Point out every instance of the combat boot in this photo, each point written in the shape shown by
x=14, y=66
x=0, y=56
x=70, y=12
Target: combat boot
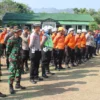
x=11, y=89
x=18, y=86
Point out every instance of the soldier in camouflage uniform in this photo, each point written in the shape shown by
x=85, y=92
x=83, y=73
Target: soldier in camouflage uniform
x=13, y=49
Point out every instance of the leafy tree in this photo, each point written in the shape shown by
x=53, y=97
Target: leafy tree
x=93, y=26
x=83, y=11
x=76, y=10
x=13, y=7
x=92, y=12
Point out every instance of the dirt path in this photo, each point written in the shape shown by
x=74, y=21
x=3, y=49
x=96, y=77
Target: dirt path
x=81, y=83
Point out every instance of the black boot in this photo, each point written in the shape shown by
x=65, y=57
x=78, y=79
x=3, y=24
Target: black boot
x=50, y=73
x=18, y=86
x=45, y=76
x=2, y=95
x=11, y=89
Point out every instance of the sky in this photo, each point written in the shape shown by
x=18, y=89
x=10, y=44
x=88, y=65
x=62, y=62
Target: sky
x=62, y=4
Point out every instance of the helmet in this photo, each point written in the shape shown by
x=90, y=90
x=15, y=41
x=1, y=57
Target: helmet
x=84, y=30
x=79, y=31
x=60, y=29
x=54, y=29
x=70, y=29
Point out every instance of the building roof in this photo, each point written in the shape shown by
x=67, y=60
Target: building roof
x=29, y=18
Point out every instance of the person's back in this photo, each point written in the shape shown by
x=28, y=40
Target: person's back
x=78, y=41
x=83, y=40
x=2, y=36
x=59, y=41
x=70, y=41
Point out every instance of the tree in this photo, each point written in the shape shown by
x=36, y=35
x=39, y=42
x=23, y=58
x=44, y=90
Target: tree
x=13, y=7
x=93, y=26
x=76, y=10
x=92, y=12
x=83, y=11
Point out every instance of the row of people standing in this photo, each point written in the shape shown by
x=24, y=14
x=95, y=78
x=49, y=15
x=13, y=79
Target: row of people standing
x=40, y=46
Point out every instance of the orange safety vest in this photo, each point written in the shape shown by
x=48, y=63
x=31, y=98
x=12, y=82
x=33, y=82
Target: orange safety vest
x=83, y=40
x=2, y=36
x=70, y=41
x=78, y=41
x=53, y=36
x=59, y=42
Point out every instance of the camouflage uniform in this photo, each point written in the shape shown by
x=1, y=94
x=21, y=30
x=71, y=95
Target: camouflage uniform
x=13, y=49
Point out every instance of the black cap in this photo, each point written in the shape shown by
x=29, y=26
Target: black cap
x=16, y=31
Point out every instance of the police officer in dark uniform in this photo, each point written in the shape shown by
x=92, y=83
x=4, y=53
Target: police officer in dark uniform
x=35, y=54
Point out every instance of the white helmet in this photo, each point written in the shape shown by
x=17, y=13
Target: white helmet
x=45, y=28
x=70, y=29
x=84, y=30
x=79, y=31
x=50, y=28
x=54, y=29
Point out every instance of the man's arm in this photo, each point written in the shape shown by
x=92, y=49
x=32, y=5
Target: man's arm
x=6, y=38
x=44, y=38
x=32, y=39
x=25, y=39
x=9, y=47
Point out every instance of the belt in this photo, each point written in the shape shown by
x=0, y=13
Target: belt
x=34, y=50
x=45, y=49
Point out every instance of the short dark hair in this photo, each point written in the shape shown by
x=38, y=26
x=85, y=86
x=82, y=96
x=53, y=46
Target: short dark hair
x=26, y=28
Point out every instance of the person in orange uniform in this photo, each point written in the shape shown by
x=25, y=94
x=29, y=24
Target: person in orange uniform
x=78, y=47
x=54, y=55
x=70, y=48
x=2, y=36
x=83, y=43
x=54, y=33
x=59, y=48
x=2, y=44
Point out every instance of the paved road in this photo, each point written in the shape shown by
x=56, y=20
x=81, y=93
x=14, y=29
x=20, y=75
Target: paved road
x=81, y=83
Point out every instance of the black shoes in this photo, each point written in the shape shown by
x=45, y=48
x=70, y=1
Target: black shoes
x=11, y=89
x=39, y=78
x=61, y=68
x=33, y=81
x=73, y=65
x=45, y=76
x=18, y=86
x=50, y=73
x=2, y=95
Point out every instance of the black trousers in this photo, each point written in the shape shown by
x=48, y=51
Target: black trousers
x=55, y=57
x=25, y=57
x=59, y=55
x=46, y=58
x=89, y=52
x=95, y=49
x=35, y=61
x=70, y=55
x=83, y=51
x=78, y=54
